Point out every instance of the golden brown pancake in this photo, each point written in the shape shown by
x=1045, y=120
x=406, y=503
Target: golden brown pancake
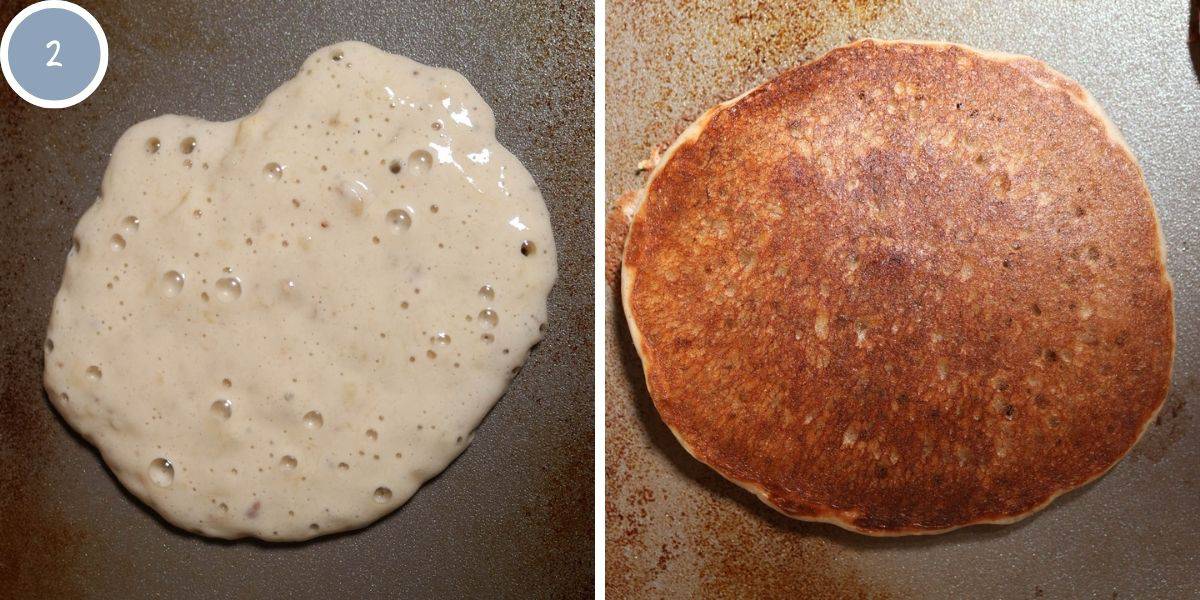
x=903, y=288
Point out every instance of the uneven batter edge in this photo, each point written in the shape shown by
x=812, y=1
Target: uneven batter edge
x=283, y=325
x=951, y=319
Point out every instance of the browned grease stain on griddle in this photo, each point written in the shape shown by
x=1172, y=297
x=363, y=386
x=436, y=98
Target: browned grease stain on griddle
x=1174, y=421
x=550, y=526
x=701, y=53
x=38, y=545
x=129, y=31
x=562, y=509
x=768, y=33
x=1194, y=36
x=733, y=546
x=720, y=538
x=719, y=541
x=616, y=229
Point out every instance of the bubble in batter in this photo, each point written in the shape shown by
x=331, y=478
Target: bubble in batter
x=313, y=420
x=222, y=409
x=273, y=170
x=488, y=318
x=382, y=495
x=172, y=284
x=229, y=289
x=419, y=162
x=400, y=219
x=162, y=472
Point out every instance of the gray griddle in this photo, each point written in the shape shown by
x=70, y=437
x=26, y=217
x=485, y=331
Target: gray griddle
x=512, y=517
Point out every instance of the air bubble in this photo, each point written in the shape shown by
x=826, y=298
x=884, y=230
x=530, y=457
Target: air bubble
x=152, y=145
x=93, y=373
x=382, y=495
x=222, y=409
x=313, y=420
x=371, y=433
x=188, y=145
x=488, y=318
x=355, y=192
x=228, y=289
x=337, y=54
x=420, y=161
x=528, y=248
x=343, y=467
x=130, y=224
x=172, y=283
x=116, y=242
x=288, y=462
x=273, y=170
x=394, y=167
x=400, y=219
x=487, y=292
x=162, y=473
x=442, y=338
x=487, y=338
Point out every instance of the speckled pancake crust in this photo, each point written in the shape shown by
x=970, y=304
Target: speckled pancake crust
x=903, y=288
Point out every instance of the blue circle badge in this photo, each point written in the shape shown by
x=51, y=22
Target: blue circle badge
x=54, y=54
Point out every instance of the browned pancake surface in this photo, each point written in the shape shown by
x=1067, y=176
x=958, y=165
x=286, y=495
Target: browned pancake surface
x=904, y=288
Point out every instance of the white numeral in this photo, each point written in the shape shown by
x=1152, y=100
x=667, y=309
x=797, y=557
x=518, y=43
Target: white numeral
x=53, y=62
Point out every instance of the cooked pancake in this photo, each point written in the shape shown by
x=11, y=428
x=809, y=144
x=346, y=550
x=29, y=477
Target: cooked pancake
x=903, y=288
